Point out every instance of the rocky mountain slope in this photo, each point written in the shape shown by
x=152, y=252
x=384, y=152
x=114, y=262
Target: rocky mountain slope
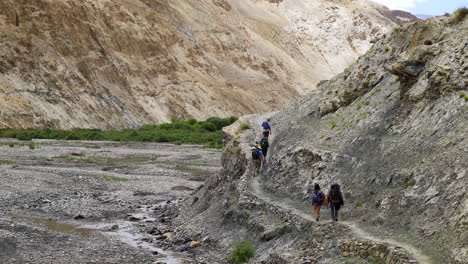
x=118, y=64
x=391, y=129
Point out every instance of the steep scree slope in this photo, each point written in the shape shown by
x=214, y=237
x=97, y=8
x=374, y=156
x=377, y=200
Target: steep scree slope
x=391, y=129
x=118, y=64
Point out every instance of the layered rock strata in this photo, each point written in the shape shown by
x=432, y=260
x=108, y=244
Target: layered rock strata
x=120, y=64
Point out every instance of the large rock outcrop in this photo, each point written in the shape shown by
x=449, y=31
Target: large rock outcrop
x=391, y=129
x=119, y=64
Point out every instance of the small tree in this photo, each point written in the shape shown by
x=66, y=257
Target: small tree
x=242, y=252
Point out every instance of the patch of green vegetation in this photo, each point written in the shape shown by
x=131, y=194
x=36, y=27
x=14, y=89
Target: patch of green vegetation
x=359, y=204
x=405, y=186
x=242, y=252
x=244, y=126
x=6, y=162
x=459, y=14
x=31, y=145
x=114, y=178
x=322, y=136
x=358, y=106
x=397, y=79
x=400, y=86
x=366, y=102
x=359, y=66
x=191, y=131
x=332, y=124
x=464, y=96
x=378, y=89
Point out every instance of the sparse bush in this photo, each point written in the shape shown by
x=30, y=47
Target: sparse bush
x=244, y=126
x=387, y=49
x=11, y=145
x=460, y=14
x=31, y=145
x=359, y=204
x=358, y=106
x=332, y=124
x=366, y=102
x=242, y=252
x=464, y=96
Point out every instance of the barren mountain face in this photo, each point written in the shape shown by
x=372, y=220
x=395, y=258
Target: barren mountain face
x=116, y=64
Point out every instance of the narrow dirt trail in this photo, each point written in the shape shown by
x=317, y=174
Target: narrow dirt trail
x=305, y=211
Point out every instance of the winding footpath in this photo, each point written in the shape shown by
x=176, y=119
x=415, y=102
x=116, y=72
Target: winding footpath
x=304, y=211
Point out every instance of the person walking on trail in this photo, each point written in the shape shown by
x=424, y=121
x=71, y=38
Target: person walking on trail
x=266, y=128
x=265, y=145
x=318, y=199
x=258, y=158
x=335, y=199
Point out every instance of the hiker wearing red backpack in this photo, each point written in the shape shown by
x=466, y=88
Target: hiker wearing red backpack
x=266, y=128
x=335, y=199
x=318, y=198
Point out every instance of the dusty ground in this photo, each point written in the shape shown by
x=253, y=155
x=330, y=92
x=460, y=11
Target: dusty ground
x=97, y=202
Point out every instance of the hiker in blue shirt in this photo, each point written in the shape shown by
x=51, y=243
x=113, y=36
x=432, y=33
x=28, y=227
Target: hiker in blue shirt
x=258, y=158
x=266, y=128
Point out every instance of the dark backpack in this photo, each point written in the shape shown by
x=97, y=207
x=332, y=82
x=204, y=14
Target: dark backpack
x=255, y=155
x=335, y=194
x=264, y=143
x=318, y=197
x=266, y=125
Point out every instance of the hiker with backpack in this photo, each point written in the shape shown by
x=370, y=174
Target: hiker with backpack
x=266, y=128
x=318, y=198
x=265, y=145
x=258, y=158
x=335, y=199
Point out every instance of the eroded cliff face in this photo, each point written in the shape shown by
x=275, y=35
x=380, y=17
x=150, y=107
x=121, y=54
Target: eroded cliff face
x=391, y=129
x=118, y=64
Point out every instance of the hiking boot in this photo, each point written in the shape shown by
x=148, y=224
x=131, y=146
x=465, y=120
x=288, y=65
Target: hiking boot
x=317, y=219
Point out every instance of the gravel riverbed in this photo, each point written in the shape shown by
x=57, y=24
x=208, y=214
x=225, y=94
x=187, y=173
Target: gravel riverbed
x=98, y=202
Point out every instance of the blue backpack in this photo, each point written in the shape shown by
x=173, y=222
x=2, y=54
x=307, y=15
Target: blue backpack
x=318, y=197
x=266, y=125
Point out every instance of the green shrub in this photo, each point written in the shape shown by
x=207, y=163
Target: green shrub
x=366, y=102
x=460, y=14
x=31, y=145
x=332, y=124
x=463, y=96
x=244, y=126
x=242, y=252
x=209, y=126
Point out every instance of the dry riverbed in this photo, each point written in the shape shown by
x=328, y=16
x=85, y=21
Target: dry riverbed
x=98, y=202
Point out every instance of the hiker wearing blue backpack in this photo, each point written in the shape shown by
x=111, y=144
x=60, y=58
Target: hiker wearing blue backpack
x=266, y=128
x=258, y=158
x=335, y=199
x=318, y=198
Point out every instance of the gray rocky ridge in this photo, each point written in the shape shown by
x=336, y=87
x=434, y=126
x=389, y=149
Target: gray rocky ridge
x=391, y=129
